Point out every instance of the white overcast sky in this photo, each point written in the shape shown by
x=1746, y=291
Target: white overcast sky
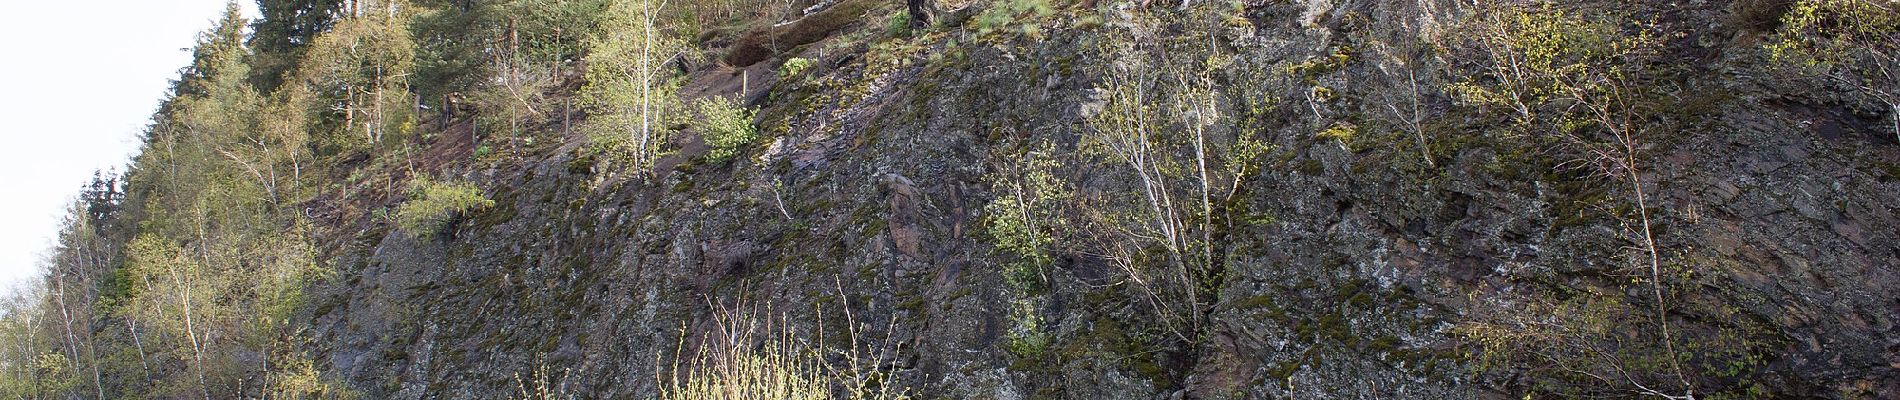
x=82, y=79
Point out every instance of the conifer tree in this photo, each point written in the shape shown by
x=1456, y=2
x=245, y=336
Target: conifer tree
x=287, y=27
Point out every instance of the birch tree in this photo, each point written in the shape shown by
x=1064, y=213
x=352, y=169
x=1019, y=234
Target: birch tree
x=629, y=91
x=1576, y=84
x=358, y=73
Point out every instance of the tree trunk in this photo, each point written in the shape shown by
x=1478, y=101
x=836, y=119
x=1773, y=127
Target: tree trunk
x=920, y=13
x=191, y=331
x=1895, y=116
x=138, y=344
x=72, y=339
x=646, y=85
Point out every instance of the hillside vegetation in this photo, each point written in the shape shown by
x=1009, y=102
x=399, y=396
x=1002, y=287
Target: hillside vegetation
x=1007, y=199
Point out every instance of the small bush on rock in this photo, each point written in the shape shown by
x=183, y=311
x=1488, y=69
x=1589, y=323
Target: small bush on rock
x=727, y=127
x=433, y=205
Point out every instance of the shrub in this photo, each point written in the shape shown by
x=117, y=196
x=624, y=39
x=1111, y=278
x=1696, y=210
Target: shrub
x=1023, y=217
x=298, y=379
x=433, y=205
x=1540, y=62
x=1343, y=131
x=1855, y=43
x=1837, y=32
x=898, y=26
x=727, y=127
x=794, y=66
x=1029, y=338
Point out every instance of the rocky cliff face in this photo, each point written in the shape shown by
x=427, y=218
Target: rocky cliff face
x=1350, y=264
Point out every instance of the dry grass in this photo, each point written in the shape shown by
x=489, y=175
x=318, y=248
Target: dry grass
x=743, y=359
x=752, y=355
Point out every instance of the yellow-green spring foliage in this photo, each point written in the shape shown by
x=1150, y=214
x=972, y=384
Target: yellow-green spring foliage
x=727, y=127
x=1832, y=32
x=1343, y=131
x=356, y=75
x=794, y=66
x=432, y=205
x=629, y=93
x=299, y=379
x=1853, y=42
x=1024, y=215
x=1029, y=337
x=1541, y=61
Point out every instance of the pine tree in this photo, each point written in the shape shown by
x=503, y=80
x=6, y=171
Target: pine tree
x=287, y=27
